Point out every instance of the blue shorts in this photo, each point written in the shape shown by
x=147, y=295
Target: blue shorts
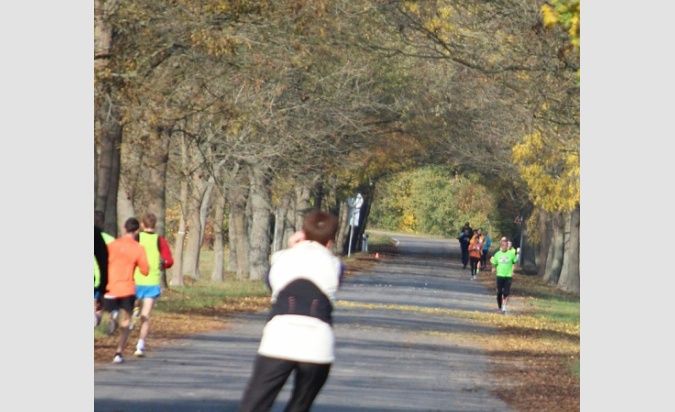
x=96, y=294
x=147, y=291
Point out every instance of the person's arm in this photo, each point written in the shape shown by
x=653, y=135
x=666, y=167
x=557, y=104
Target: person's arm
x=267, y=279
x=296, y=238
x=142, y=262
x=165, y=252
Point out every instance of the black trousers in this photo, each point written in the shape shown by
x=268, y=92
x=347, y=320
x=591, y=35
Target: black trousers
x=269, y=376
x=503, y=289
x=474, y=265
x=465, y=254
x=483, y=259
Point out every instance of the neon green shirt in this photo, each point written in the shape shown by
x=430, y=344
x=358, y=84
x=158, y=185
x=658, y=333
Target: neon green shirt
x=149, y=241
x=504, y=261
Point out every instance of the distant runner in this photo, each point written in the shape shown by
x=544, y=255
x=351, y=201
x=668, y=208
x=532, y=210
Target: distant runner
x=124, y=255
x=502, y=264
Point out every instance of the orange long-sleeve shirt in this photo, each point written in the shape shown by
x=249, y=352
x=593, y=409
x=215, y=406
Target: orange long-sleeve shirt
x=475, y=247
x=124, y=254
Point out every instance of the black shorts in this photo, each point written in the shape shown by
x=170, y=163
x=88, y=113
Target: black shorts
x=503, y=285
x=126, y=303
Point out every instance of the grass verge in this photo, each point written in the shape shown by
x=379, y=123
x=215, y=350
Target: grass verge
x=537, y=355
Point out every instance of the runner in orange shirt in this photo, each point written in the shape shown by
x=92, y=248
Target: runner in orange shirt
x=124, y=255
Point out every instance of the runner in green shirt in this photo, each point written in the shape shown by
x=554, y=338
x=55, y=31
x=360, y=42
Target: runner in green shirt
x=502, y=265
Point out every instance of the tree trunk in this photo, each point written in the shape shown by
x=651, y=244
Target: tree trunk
x=177, y=269
x=259, y=240
x=281, y=224
x=554, y=260
x=218, y=274
x=545, y=235
x=569, y=275
x=302, y=204
x=528, y=251
x=103, y=10
x=238, y=234
x=342, y=240
x=289, y=219
x=110, y=138
x=194, y=225
x=125, y=205
x=319, y=194
x=205, y=207
x=156, y=162
x=232, y=257
x=113, y=194
x=108, y=134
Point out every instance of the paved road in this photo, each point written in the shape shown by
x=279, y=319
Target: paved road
x=385, y=359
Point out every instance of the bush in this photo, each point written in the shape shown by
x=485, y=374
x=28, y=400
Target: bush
x=434, y=201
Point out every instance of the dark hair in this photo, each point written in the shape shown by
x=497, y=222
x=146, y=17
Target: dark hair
x=320, y=226
x=131, y=225
x=99, y=219
x=150, y=220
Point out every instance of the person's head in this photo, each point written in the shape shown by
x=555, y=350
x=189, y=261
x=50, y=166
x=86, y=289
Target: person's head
x=478, y=231
x=99, y=219
x=132, y=225
x=509, y=245
x=149, y=221
x=504, y=244
x=320, y=227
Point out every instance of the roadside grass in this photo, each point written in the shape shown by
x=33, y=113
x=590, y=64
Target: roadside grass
x=381, y=242
x=544, y=376
x=575, y=368
x=206, y=294
x=376, y=239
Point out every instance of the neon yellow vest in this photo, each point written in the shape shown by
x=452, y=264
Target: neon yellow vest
x=107, y=238
x=150, y=242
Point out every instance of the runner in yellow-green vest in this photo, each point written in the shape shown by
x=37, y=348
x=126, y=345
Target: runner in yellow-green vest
x=502, y=265
x=101, y=239
x=148, y=288
x=100, y=276
x=97, y=266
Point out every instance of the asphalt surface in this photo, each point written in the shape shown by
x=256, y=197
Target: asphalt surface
x=386, y=359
